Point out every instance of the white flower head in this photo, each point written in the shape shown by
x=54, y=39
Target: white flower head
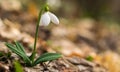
x=47, y=17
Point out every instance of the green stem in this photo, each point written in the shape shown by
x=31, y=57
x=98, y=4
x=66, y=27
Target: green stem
x=44, y=8
x=36, y=36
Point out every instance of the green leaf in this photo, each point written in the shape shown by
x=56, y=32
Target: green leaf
x=18, y=67
x=47, y=57
x=8, y=54
x=20, y=47
x=1, y=54
x=19, y=53
x=89, y=58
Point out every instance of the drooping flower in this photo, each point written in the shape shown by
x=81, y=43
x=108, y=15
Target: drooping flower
x=47, y=17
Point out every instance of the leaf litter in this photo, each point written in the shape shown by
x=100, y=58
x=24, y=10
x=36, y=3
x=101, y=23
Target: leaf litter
x=75, y=43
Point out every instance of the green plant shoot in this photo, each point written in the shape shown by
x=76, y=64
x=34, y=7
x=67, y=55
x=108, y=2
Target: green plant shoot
x=44, y=19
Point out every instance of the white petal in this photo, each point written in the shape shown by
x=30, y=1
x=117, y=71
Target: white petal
x=53, y=18
x=45, y=19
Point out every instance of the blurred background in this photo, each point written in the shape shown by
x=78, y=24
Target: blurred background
x=71, y=9
x=87, y=27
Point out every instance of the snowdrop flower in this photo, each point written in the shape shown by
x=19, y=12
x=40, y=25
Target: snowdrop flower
x=47, y=17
